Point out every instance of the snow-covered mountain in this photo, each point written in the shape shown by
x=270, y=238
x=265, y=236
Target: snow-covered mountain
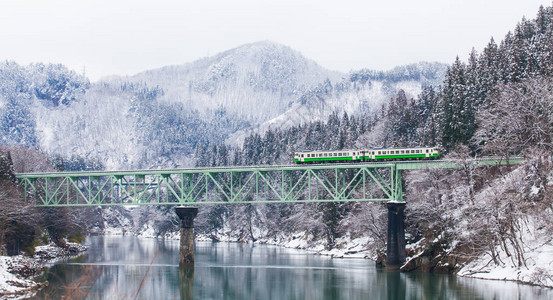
x=359, y=92
x=156, y=119
x=255, y=81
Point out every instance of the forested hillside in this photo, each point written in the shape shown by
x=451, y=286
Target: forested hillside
x=497, y=103
x=360, y=93
x=255, y=82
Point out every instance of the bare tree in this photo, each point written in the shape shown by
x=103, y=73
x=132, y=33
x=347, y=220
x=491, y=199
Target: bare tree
x=519, y=116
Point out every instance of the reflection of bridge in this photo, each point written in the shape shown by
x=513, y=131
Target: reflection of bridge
x=246, y=184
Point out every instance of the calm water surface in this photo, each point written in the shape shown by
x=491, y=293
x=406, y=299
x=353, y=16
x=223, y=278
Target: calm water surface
x=133, y=268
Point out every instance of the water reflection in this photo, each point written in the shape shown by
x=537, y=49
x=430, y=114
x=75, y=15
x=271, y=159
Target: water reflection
x=131, y=268
x=186, y=278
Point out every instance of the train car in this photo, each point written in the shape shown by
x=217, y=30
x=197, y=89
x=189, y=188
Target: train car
x=366, y=155
x=329, y=156
x=385, y=154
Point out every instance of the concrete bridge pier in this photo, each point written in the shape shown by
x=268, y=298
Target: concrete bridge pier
x=395, y=247
x=186, y=216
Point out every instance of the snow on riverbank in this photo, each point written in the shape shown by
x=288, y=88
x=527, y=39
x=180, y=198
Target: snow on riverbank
x=538, y=261
x=345, y=247
x=17, y=273
x=14, y=286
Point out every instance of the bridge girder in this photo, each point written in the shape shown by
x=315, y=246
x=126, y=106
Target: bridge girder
x=266, y=184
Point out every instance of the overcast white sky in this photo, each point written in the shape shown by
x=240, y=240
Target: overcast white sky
x=125, y=37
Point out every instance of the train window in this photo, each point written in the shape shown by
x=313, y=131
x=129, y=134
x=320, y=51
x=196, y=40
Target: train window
x=402, y=151
x=426, y=150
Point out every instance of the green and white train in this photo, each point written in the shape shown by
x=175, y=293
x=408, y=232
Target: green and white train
x=367, y=155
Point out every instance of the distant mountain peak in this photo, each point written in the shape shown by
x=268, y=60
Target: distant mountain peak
x=255, y=81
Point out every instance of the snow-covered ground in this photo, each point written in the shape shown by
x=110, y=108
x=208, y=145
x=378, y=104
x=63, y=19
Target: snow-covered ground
x=14, y=286
x=536, y=270
x=17, y=272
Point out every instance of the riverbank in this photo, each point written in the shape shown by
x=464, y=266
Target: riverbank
x=18, y=273
x=538, y=256
x=537, y=261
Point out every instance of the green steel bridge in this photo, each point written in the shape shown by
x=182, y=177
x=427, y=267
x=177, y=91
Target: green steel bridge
x=225, y=185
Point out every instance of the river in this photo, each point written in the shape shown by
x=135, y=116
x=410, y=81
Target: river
x=123, y=267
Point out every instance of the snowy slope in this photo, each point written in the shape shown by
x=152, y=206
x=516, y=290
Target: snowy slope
x=360, y=91
x=255, y=81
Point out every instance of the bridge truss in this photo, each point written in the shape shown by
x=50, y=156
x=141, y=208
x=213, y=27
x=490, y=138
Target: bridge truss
x=275, y=184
